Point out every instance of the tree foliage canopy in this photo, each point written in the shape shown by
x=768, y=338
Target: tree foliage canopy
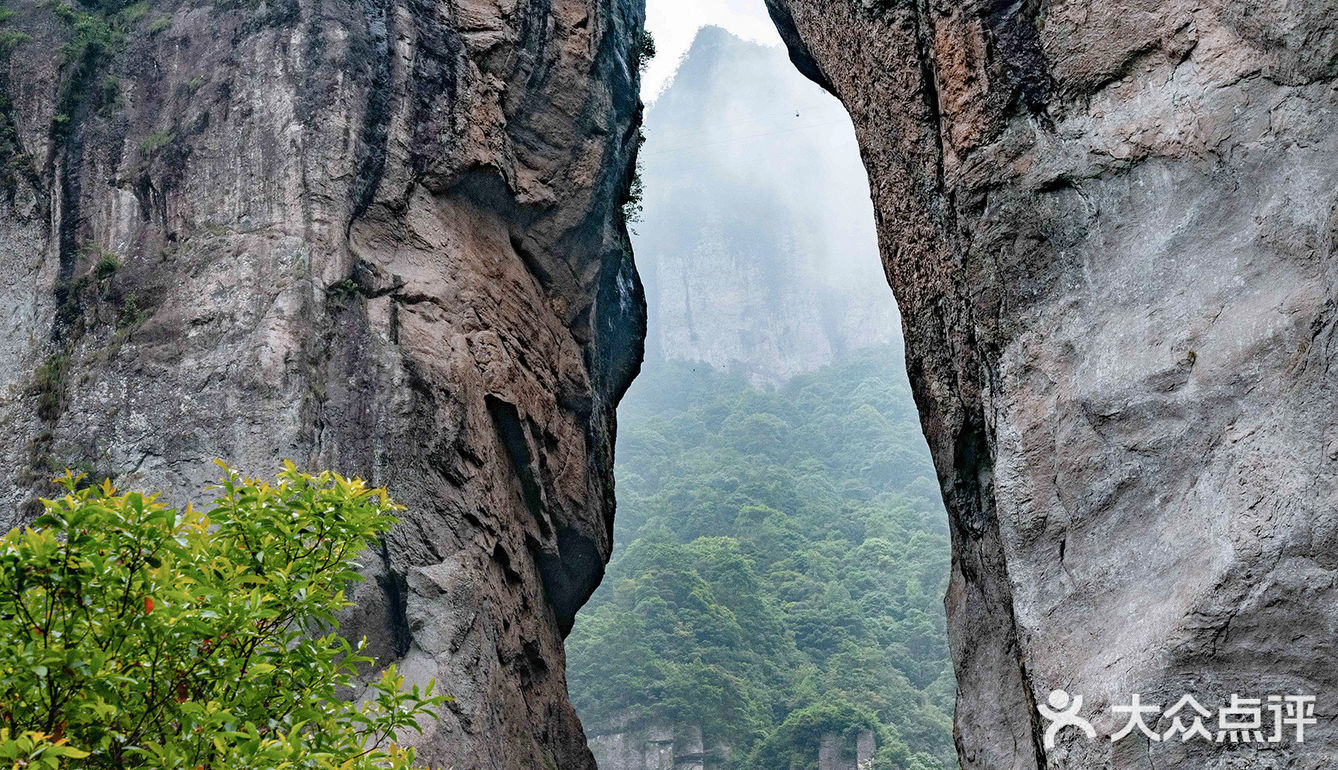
x=137, y=635
x=780, y=566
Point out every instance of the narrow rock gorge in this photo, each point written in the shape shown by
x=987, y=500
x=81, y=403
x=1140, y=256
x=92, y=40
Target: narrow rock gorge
x=383, y=237
x=387, y=237
x=1111, y=232
x=773, y=399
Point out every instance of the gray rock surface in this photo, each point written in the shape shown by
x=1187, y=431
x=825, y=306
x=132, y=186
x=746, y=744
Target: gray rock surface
x=840, y=752
x=627, y=744
x=1111, y=231
x=653, y=746
x=381, y=237
x=627, y=747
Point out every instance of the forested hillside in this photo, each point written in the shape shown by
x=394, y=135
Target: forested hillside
x=779, y=571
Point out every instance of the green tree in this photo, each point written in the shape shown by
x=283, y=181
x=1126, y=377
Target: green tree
x=137, y=635
x=780, y=555
x=794, y=744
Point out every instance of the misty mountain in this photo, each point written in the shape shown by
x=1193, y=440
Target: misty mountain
x=777, y=271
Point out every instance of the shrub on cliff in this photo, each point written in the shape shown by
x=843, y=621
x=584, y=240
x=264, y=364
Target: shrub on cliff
x=137, y=635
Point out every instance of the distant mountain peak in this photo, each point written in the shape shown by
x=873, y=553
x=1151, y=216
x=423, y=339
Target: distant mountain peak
x=757, y=247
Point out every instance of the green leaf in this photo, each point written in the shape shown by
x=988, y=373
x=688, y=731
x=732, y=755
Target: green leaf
x=224, y=643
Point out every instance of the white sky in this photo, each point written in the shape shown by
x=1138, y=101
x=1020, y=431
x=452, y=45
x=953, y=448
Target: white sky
x=674, y=23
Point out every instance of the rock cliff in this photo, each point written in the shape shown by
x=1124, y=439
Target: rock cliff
x=383, y=237
x=757, y=247
x=630, y=746
x=1111, y=231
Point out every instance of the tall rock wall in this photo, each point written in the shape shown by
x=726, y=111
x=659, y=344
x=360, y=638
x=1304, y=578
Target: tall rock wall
x=1111, y=231
x=382, y=237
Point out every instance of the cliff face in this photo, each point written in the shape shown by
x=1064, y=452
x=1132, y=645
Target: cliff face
x=1111, y=231
x=382, y=237
x=757, y=249
x=652, y=747
x=658, y=746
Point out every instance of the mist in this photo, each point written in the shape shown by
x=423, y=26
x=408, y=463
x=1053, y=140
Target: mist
x=757, y=242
